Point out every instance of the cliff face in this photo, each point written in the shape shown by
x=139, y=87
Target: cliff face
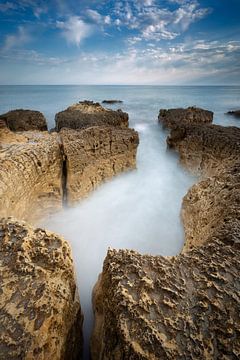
x=39, y=172
x=30, y=175
x=187, y=306
x=87, y=114
x=94, y=155
x=24, y=120
x=192, y=115
x=40, y=315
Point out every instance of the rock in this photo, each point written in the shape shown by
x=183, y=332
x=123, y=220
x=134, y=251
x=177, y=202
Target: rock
x=192, y=115
x=154, y=307
x=87, y=114
x=234, y=112
x=24, y=120
x=94, y=155
x=30, y=175
x=112, y=102
x=40, y=314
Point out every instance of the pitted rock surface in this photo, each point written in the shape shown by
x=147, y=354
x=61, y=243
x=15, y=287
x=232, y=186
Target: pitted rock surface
x=94, y=155
x=192, y=115
x=24, y=120
x=87, y=114
x=183, y=307
x=40, y=315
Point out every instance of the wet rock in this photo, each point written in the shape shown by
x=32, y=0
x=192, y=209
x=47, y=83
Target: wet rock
x=94, y=155
x=87, y=114
x=24, y=120
x=40, y=314
x=234, y=113
x=112, y=102
x=192, y=115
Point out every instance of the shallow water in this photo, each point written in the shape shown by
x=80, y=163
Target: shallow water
x=137, y=210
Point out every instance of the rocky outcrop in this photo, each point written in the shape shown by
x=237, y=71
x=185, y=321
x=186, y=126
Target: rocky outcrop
x=41, y=172
x=87, y=114
x=94, y=155
x=40, y=314
x=24, y=120
x=154, y=307
x=30, y=175
x=192, y=115
x=234, y=113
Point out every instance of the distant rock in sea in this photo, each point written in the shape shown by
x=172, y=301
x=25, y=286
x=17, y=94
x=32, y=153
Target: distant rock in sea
x=234, y=113
x=112, y=102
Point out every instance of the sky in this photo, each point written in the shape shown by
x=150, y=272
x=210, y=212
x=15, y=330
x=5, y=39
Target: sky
x=148, y=42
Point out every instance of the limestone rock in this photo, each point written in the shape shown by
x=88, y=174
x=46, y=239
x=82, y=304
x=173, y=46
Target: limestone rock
x=94, y=155
x=192, y=115
x=183, y=307
x=87, y=114
x=30, y=175
x=24, y=120
x=40, y=314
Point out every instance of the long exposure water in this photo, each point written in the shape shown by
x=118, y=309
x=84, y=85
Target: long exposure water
x=139, y=209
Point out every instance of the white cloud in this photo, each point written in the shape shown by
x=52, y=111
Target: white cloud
x=74, y=30
x=20, y=38
x=98, y=18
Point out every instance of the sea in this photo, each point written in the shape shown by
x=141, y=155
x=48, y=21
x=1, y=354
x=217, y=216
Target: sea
x=139, y=209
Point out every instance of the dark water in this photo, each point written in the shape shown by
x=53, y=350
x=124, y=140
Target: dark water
x=140, y=209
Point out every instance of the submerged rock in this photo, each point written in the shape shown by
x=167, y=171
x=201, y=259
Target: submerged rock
x=192, y=115
x=234, y=112
x=94, y=155
x=40, y=314
x=24, y=120
x=87, y=114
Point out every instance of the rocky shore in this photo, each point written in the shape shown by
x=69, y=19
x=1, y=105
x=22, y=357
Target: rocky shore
x=145, y=307
x=187, y=306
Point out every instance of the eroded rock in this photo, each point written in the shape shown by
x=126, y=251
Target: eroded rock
x=87, y=114
x=40, y=314
x=24, y=120
x=192, y=115
x=94, y=155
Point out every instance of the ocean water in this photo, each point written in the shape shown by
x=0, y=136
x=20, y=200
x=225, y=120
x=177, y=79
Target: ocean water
x=139, y=209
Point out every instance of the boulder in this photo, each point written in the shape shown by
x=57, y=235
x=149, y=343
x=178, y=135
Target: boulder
x=94, y=155
x=40, y=314
x=24, y=120
x=87, y=114
x=192, y=115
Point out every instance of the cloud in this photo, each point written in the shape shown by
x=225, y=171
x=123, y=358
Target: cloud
x=74, y=30
x=98, y=18
x=7, y=6
x=20, y=38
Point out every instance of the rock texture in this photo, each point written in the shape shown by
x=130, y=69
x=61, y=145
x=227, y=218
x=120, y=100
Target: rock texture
x=87, y=114
x=30, y=175
x=184, y=307
x=24, y=120
x=187, y=306
x=192, y=115
x=94, y=155
x=40, y=314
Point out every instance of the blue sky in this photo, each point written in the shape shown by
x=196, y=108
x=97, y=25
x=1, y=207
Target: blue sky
x=120, y=42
